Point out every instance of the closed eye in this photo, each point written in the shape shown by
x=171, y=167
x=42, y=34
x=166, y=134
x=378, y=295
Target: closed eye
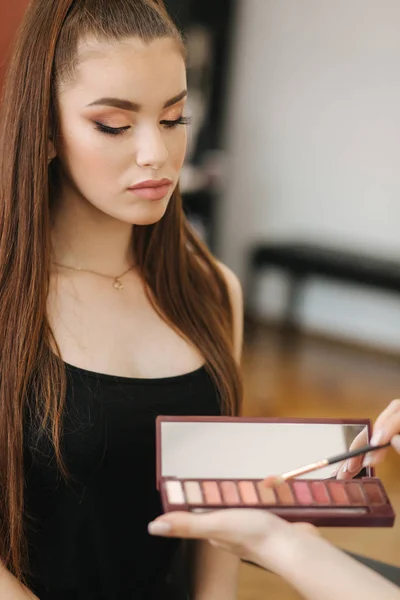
x=111, y=130
x=172, y=124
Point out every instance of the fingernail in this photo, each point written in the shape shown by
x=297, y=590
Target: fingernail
x=376, y=438
x=158, y=528
x=396, y=443
x=334, y=472
x=346, y=467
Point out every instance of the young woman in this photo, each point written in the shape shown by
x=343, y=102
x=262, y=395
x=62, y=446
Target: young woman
x=314, y=567
x=111, y=310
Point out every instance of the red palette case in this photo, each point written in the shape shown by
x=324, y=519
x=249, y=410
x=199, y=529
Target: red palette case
x=210, y=463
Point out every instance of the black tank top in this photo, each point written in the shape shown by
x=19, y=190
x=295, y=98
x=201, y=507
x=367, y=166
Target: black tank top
x=88, y=537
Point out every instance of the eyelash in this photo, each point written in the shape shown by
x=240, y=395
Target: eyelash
x=120, y=130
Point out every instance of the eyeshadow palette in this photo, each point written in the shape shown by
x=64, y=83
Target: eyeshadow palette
x=211, y=463
x=321, y=502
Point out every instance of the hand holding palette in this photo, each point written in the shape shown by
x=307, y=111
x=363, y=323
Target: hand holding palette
x=213, y=463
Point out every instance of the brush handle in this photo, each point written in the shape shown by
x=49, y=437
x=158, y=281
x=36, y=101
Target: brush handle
x=357, y=452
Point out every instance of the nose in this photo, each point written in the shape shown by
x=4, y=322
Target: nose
x=151, y=149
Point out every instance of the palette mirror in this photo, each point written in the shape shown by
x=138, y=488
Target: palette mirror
x=251, y=450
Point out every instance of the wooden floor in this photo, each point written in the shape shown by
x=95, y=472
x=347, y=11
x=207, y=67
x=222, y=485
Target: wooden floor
x=321, y=379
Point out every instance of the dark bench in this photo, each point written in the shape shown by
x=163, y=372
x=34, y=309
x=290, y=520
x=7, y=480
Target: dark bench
x=301, y=261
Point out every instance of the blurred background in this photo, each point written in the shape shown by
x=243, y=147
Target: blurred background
x=292, y=178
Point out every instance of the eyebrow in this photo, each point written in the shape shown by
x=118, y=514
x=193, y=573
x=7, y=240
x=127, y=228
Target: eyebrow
x=133, y=106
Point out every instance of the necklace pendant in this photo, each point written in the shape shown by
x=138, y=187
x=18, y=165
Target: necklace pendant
x=118, y=284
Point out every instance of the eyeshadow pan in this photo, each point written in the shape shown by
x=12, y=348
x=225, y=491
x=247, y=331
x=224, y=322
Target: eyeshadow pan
x=373, y=493
x=338, y=492
x=175, y=492
x=285, y=494
x=355, y=493
x=193, y=492
x=248, y=492
x=320, y=492
x=266, y=494
x=229, y=492
x=211, y=492
x=303, y=492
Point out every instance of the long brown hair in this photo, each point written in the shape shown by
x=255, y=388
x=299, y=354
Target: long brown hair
x=183, y=279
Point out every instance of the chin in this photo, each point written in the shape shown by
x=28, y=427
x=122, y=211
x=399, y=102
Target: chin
x=149, y=215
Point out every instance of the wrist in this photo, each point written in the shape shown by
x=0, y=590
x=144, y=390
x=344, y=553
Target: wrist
x=279, y=549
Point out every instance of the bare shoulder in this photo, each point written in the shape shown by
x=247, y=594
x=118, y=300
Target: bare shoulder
x=236, y=296
x=233, y=284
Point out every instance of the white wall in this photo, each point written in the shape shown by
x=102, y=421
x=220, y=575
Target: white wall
x=313, y=134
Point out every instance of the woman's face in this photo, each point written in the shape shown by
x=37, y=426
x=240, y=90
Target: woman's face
x=121, y=125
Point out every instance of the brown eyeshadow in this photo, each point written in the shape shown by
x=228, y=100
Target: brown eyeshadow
x=285, y=494
x=355, y=493
x=373, y=493
x=266, y=494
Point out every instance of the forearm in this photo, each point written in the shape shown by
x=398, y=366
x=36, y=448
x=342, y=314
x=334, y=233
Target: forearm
x=215, y=573
x=319, y=571
x=12, y=589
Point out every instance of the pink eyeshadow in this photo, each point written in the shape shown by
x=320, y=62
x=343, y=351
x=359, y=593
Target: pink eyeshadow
x=211, y=492
x=229, y=492
x=302, y=491
x=373, y=493
x=338, y=493
x=248, y=492
x=320, y=492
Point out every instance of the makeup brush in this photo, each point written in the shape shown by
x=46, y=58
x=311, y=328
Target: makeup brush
x=276, y=480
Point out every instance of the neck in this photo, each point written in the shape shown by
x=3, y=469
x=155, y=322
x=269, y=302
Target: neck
x=86, y=238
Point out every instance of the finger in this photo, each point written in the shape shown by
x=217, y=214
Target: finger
x=388, y=430
x=375, y=458
x=351, y=467
x=348, y=469
x=386, y=414
x=185, y=525
x=360, y=440
x=396, y=443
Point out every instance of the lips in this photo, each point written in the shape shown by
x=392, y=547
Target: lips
x=152, y=189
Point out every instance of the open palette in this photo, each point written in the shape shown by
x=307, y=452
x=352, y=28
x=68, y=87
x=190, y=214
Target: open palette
x=212, y=463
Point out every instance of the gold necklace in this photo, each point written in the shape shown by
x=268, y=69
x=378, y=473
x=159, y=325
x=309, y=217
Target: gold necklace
x=117, y=283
